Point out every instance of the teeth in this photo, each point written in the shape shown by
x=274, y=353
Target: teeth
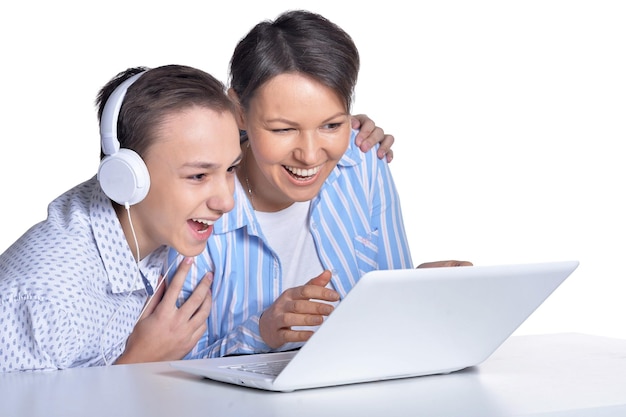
x=303, y=172
x=204, y=221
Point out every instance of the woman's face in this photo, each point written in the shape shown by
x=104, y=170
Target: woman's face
x=298, y=130
x=192, y=166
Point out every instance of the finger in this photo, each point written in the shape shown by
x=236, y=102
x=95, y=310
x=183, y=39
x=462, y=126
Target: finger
x=288, y=320
x=356, y=122
x=306, y=307
x=197, y=297
x=202, y=313
x=322, y=279
x=385, y=147
x=456, y=263
x=389, y=155
x=315, y=288
x=314, y=292
x=197, y=334
x=193, y=336
x=176, y=285
x=443, y=264
x=290, y=336
x=430, y=265
x=366, y=126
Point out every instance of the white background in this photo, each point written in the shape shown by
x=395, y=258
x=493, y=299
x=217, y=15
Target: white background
x=508, y=118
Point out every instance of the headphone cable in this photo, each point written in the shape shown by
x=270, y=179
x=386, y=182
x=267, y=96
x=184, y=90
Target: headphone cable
x=147, y=285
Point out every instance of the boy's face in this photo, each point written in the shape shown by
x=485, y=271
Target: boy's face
x=192, y=166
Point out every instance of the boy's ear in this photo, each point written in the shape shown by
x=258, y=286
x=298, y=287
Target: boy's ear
x=241, y=119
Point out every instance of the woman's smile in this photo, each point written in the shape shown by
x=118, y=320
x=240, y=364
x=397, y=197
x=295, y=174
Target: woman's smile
x=303, y=174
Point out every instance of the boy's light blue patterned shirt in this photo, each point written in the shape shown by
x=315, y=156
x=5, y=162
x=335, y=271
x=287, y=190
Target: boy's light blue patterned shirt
x=69, y=292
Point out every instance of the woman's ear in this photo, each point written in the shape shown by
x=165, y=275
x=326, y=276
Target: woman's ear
x=241, y=118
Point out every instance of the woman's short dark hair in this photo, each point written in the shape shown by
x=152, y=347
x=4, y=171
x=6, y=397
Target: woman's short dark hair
x=156, y=94
x=296, y=42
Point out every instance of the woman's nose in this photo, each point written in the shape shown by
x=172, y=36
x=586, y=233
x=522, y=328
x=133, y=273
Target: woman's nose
x=308, y=146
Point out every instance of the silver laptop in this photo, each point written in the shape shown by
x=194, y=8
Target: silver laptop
x=401, y=323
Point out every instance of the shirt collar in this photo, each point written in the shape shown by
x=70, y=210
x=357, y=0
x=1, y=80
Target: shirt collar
x=120, y=265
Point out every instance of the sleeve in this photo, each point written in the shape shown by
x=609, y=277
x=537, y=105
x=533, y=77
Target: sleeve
x=36, y=335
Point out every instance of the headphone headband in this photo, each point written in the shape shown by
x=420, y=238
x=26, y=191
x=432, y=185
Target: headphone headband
x=110, y=113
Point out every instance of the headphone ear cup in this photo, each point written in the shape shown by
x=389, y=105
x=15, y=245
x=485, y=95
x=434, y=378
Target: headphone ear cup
x=124, y=177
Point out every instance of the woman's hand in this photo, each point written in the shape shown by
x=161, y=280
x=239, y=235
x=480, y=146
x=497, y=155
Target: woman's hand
x=439, y=264
x=298, y=306
x=369, y=135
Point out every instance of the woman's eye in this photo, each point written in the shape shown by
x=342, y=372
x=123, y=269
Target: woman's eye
x=332, y=126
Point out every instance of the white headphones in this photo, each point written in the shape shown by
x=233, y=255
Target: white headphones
x=122, y=174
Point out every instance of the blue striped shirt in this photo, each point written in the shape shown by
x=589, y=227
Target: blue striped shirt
x=357, y=226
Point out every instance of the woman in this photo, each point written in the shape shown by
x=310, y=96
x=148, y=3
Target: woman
x=312, y=212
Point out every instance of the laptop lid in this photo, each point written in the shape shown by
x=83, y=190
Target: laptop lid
x=405, y=323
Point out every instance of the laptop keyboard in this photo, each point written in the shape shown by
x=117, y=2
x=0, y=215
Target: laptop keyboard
x=272, y=368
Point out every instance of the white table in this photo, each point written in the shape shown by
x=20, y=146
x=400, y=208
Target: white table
x=554, y=375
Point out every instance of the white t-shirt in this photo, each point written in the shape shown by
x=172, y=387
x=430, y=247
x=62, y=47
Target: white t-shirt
x=288, y=234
